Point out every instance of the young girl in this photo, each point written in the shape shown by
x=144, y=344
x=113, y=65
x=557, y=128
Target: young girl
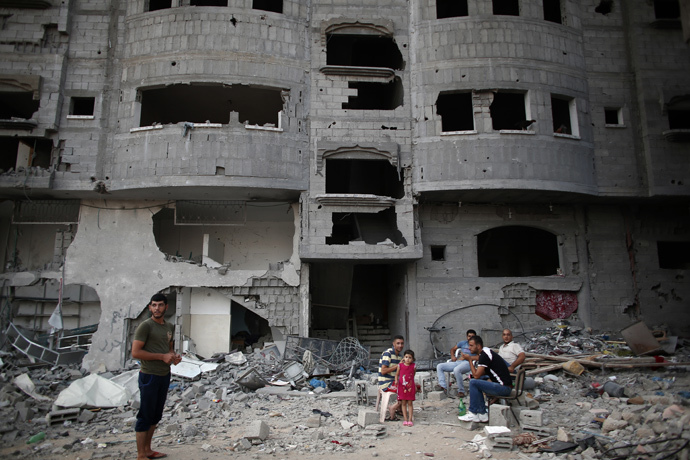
x=406, y=385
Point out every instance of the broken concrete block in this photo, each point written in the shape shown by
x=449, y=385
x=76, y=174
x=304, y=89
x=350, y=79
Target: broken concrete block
x=245, y=444
x=501, y=415
x=198, y=387
x=367, y=417
x=189, y=431
x=257, y=430
x=611, y=425
x=531, y=417
x=188, y=394
x=59, y=416
x=563, y=435
x=346, y=425
x=503, y=443
x=172, y=428
x=86, y=416
x=24, y=414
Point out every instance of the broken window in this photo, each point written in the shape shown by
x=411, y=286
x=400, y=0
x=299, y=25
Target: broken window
x=208, y=3
x=159, y=5
x=552, y=11
x=247, y=328
x=679, y=119
x=456, y=111
x=674, y=254
x=451, y=8
x=375, y=177
x=563, y=114
x=268, y=5
x=517, y=251
x=81, y=105
x=366, y=227
x=438, y=253
x=199, y=102
x=375, y=96
x=613, y=116
x=16, y=152
x=19, y=104
x=508, y=111
x=666, y=9
x=506, y=7
x=363, y=51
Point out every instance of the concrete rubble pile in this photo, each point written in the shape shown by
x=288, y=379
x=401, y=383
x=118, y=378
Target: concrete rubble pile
x=599, y=414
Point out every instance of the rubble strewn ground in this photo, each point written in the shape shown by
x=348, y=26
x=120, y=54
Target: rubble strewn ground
x=213, y=417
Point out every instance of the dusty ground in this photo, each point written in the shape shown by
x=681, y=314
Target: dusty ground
x=436, y=434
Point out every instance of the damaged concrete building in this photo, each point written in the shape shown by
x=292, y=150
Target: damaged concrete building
x=374, y=168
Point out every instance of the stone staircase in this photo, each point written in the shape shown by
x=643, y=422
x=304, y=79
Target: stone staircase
x=377, y=337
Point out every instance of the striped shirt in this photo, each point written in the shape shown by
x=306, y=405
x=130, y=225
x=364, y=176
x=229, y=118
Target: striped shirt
x=388, y=358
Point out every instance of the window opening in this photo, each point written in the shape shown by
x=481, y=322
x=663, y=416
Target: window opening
x=613, y=117
x=451, y=8
x=275, y=6
x=376, y=177
x=198, y=103
x=517, y=251
x=17, y=104
x=679, y=119
x=375, y=96
x=16, y=152
x=366, y=227
x=456, y=111
x=506, y=7
x=209, y=3
x=247, y=328
x=560, y=111
x=363, y=51
x=552, y=11
x=666, y=9
x=155, y=5
x=604, y=7
x=82, y=105
x=508, y=111
x=674, y=254
x=438, y=253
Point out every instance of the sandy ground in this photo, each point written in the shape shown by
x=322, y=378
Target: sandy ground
x=436, y=433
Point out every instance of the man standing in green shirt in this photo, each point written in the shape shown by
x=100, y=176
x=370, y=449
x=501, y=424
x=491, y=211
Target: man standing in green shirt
x=153, y=346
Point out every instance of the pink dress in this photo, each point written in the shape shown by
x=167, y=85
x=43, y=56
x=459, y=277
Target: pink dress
x=406, y=385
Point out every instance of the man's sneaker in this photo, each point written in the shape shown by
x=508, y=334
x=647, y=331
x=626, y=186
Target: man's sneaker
x=472, y=417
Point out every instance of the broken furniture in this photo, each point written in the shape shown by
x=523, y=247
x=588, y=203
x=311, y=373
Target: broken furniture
x=45, y=354
x=640, y=339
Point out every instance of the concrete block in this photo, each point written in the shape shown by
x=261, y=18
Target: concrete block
x=59, y=416
x=436, y=396
x=257, y=430
x=501, y=415
x=367, y=417
x=314, y=421
x=86, y=416
x=531, y=417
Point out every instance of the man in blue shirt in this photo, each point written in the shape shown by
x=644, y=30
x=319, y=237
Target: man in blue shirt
x=457, y=365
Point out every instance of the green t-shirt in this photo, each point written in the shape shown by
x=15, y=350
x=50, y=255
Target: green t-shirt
x=156, y=338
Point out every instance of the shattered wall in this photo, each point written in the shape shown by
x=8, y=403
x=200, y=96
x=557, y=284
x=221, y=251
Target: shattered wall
x=126, y=267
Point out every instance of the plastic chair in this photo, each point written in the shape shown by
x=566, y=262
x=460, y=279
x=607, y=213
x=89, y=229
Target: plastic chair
x=383, y=397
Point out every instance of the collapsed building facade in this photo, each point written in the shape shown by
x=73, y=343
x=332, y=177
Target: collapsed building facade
x=322, y=169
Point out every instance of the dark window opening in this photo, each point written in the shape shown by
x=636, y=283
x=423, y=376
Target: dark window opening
x=155, y=5
x=604, y=7
x=209, y=3
x=438, y=253
x=363, y=51
x=456, y=111
x=82, y=105
x=198, y=103
x=370, y=228
x=508, y=111
x=506, y=7
x=376, y=177
x=560, y=111
x=375, y=96
x=517, y=251
x=19, y=104
x=275, y=6
x=247, y=328
x=552, y=11
x=18, y=152
x=451, y=8
x=674, y=254
x=611, y=117
x=666, y=9
x=679, y=119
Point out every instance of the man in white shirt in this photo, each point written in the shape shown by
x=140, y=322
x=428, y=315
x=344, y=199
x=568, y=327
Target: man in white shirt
x=511, y=351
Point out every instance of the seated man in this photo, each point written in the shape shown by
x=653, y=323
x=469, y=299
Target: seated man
x=458, y=366
x=388, y=364
x=500, y=384
x=511, y=351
